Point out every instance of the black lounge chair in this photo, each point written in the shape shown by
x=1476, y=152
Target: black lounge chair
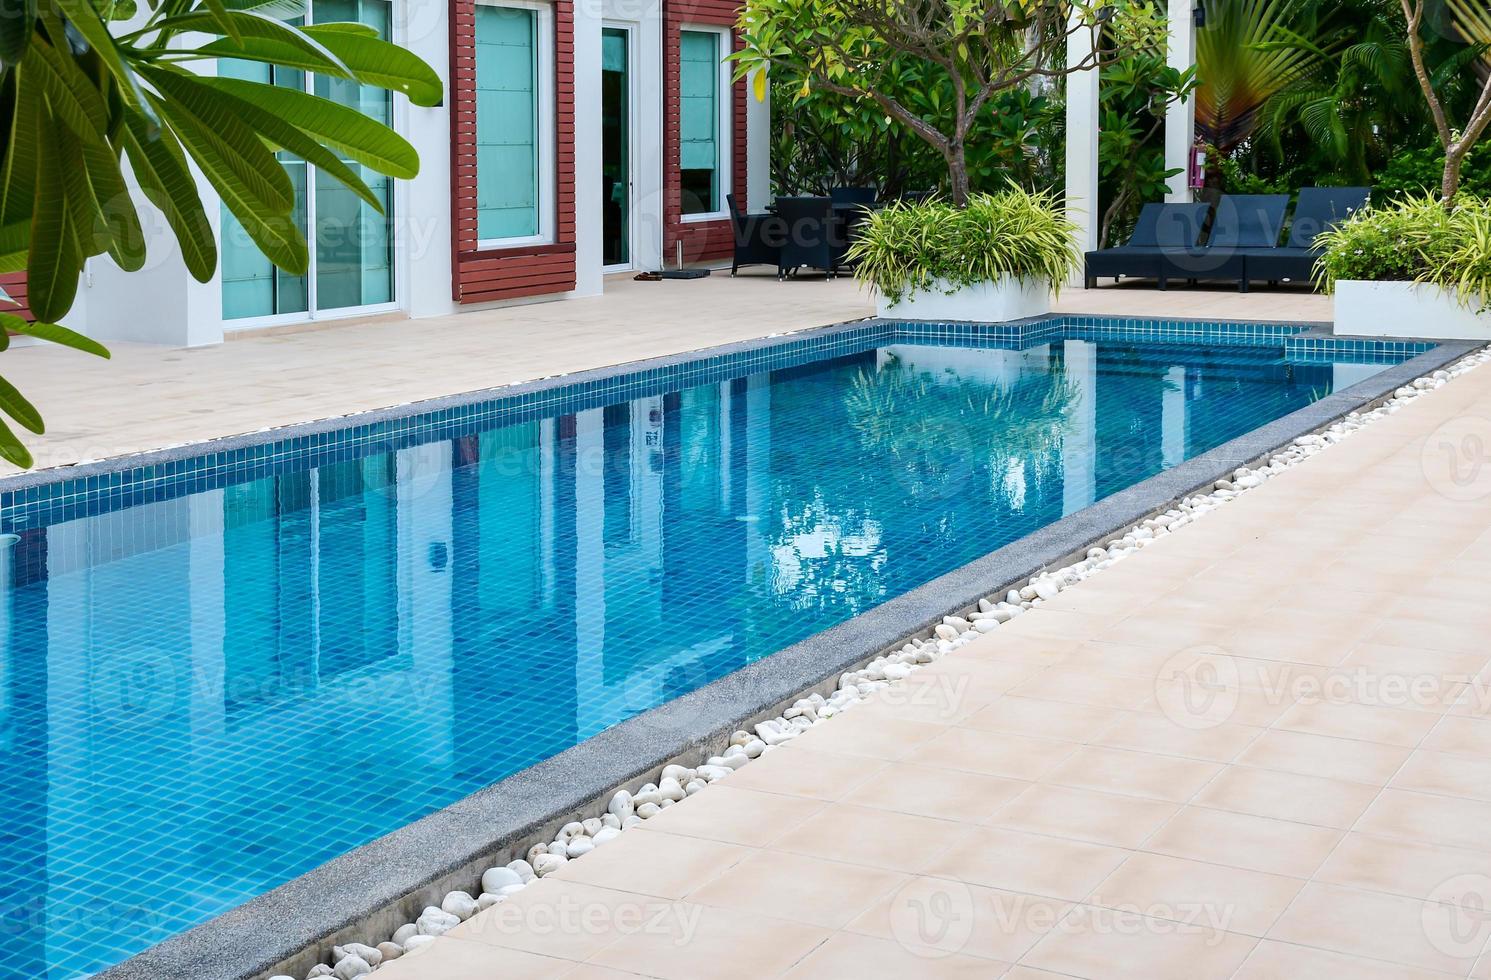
x=1160, y=226
x=758, y=237
x=1245, y=224
x=811, y=237
x=1319, y=209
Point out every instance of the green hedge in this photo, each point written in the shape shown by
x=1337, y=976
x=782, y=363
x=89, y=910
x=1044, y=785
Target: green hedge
x=934, y=245
x=1415, y=240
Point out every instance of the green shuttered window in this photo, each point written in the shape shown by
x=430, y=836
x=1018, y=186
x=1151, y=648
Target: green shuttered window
x=507, y=123
x=699, y=121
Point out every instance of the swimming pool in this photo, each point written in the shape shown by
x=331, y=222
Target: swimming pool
x=223, y=671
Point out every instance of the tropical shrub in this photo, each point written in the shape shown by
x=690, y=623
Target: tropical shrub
x=1416, y=240
x=1417, y=171
x=934, y=245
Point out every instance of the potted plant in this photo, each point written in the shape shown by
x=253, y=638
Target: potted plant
x=1002, y=257
x=1413, y=269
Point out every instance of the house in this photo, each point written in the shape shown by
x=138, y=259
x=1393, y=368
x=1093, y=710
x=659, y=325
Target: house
x=576, y=139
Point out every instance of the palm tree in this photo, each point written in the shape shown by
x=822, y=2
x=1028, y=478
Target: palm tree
x=1241, y=66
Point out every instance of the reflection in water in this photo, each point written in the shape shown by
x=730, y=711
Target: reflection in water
x=205, y=695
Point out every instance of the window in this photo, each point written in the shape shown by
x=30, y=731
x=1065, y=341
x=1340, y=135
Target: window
x=514, y=124
x=704, y=115
x=352, y=248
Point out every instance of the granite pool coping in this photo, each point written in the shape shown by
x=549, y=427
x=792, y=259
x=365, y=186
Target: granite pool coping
x=368, y=891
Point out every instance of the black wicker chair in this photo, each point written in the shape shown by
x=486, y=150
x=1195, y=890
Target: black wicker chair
x=811, y=236
x=758, y=237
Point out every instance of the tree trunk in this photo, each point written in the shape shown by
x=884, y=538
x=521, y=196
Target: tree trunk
x=1453, y=160
x=957, y=169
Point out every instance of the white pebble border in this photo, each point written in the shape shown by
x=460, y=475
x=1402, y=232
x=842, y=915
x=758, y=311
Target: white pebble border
x=626, y=810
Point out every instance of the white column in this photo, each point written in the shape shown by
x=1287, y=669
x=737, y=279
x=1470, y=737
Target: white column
x=588, y=190
x=1173, y=420
x=758, y=149
x=1079, y=446
x=422, y=229
x=1082, y=141
x=1180, y=118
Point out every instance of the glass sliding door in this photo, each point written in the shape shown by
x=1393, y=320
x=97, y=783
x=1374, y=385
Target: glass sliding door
x=351, y=248
x=616, y=144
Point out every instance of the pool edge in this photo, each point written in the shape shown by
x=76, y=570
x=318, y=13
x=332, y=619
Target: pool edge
x=390, y=878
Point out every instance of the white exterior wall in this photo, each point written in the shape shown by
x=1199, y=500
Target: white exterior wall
x=1082, y=144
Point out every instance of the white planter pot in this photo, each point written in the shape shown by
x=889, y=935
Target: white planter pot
x=1006, y=298
x=1367, y=308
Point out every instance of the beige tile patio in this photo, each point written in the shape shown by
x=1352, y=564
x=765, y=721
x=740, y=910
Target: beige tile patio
x=801, y=889
x=1439, y=819
x=459, y=959
x=1414, y=869
x=659, y=864
x=734, y=815
x=1094, y=942
x=1246, y=902
x=985, y=922
x=1036, y=864
x=1287, y=796
x=1156, y=777
x=868, y=836
x=1101, y=818
x=1243, y=841
x=1002, y=754
x=796, y=770
x=1324, y=756
x=948, y=794
x=1045, y=719
x=848, y=956
x=1385, y=927
x=720, y=944
x=1272, y=960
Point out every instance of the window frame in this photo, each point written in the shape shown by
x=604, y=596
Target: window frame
x=725, y=110
x=546, y=86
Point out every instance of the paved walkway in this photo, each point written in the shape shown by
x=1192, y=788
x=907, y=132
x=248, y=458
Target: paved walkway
x=1260, y=748
x=152, y=397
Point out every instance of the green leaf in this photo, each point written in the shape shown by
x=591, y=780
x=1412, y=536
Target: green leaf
x=84, y=18
x=54, y=264
x=161, y=168
x=251, y=182
x=14, y=404
x=71, y=95
x=11, y=449
x=272, y=129
x=53, y=333
x=18, y=174
x=258, y=34
x=17, y=24
x=386, y=65
x=341, y=127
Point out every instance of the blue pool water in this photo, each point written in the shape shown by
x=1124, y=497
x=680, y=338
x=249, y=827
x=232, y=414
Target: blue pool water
x=218, y=675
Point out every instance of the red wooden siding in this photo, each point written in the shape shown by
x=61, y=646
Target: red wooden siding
x=15, y=287
x=528, y=270
x=702, y=240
